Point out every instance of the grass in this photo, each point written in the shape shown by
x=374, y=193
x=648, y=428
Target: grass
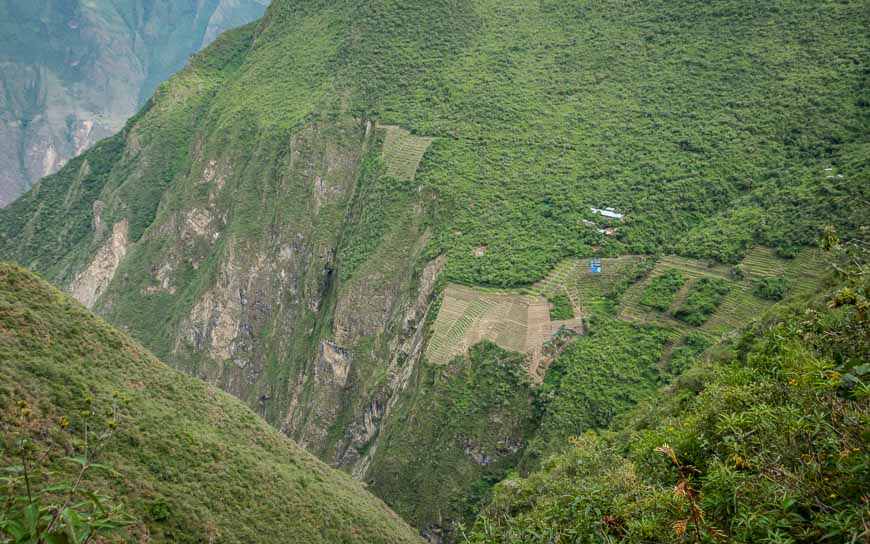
x=189, y=460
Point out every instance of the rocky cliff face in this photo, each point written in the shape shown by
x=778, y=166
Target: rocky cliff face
x=72, y=73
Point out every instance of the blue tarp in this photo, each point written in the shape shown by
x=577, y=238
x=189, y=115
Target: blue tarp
x=594, y=265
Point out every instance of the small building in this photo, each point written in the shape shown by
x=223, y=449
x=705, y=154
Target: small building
x=608, y=212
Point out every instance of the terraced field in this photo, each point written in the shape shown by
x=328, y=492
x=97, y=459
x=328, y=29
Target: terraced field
x=403, y=152
x=590, y=291
x=513, y=320
x=740, y=305
x=519, y=320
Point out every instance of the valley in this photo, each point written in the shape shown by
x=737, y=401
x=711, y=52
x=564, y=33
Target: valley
x=457, y=250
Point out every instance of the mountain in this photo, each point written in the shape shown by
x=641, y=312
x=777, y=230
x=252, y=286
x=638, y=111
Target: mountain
x=187, y=460
x=431, y=241
x=73, y=72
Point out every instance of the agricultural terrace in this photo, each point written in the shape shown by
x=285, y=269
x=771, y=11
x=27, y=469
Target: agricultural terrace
x=519, y=320
x=403, y=152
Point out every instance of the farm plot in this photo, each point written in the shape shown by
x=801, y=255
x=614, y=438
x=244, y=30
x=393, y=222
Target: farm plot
x=740, y=305
x=403, y=152
x=519, y=320
x=512, y=320
x=587, y=291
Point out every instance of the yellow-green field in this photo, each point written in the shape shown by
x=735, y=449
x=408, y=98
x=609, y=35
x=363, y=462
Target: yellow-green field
x=513, y=320
x=740, y=305
x=403, y=152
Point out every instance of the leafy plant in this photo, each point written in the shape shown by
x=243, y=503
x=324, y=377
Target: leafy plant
x=704, y=297
x=765, y=442
x=659, y=294
x=42, y=505
x=561, y=307
x=770, y=288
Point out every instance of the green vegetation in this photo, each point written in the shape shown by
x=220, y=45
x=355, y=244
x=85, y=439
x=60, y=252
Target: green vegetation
x=38, y=505
x=188, y=462
x=705, y=295
x=767, y=442
x=659, y=294
x=561, y=307
x=39, y=229
x=686, y=352
x=462, y=431
x=265, y=224
x=596, y=378
x=770, y=288
x=511, y=175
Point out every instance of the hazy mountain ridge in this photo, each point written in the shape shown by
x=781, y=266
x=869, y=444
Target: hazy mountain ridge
x=72, y=73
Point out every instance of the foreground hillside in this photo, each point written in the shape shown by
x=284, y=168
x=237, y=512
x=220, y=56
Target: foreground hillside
x=191, y=463
x=768, y=441
x=72, y=72
x=373, y=220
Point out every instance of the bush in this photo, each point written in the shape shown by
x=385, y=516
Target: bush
x=561, y=308
x=704, y=297
x=46, y=502
x=659, y=294
x=771, y=448
x=770, y=288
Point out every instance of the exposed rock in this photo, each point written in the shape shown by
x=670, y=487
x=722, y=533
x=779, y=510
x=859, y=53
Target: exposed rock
x=92, y=282
x=474, y=451
x=362, y=435
x=333, y=365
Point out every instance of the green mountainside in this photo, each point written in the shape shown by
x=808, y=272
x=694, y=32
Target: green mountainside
x=372, y=221
x=72, y=72
x=188, y=461
x=766, y=440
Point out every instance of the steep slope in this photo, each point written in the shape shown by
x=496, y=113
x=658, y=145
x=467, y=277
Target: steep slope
x=73, y=72
x=190, y=461
x=282, y=218
x=766, y=442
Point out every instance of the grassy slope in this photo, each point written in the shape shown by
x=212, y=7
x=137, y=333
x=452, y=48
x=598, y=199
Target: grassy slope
x=773, y=430
x=210, y=460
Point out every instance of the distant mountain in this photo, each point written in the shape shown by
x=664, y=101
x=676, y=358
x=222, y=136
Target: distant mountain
x=188, y=460
x=72, y=72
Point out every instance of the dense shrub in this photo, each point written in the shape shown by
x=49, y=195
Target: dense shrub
x=770, y=288
x=772, y=447
x=561, y=307
x=659, y=294
x=704, y=297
